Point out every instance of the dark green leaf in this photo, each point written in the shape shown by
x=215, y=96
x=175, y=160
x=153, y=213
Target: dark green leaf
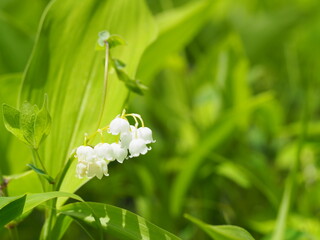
x=11, y=210
x=42, y=173
x=13, y=207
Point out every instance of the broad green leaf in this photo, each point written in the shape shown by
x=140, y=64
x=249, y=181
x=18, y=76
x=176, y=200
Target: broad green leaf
x=222, y=232
x=25, y=203
x=22, y=183
x=65, y=65
x=176, y=28
x=18, y=25
x=118, y=222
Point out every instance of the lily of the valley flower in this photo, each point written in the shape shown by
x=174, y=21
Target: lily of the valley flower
x=119, y=125
x=138, y=146
x=93, y=162
x=145, y=133
x=119, y=152
x=104, y=151
x=97, y=168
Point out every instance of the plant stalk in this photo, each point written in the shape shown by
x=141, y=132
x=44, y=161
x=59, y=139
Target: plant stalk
x=105, y=84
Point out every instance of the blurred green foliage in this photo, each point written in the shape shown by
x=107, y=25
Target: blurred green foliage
x=233, y=102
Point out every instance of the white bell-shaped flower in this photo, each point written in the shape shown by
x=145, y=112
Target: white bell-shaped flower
x=104, y=151
x=97, y=168
x=119, y=125
x=81, y=170
x=120, y=153
x=146, y=134
x=138, y=146
x=126, y=137
x=85, y=154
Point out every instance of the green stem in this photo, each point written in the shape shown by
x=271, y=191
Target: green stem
x=105, y=84
x=64, y=172
x=35, y=160
x=39, y=160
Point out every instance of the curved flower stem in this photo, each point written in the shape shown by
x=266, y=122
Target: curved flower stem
x=134, y=115
x=105, y=84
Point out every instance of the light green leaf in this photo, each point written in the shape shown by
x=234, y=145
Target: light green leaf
x=222, y=232
x=22, y=183
x=28, y=114
x=30, y=124
x=16, y=206
x=11, y=119
x=118, y=222
x=176, y=28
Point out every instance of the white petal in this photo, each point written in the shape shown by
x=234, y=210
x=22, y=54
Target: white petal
x=100, y=171
x=119, y=152
x=125, y=139
x=81, y=170
x=104, y=167
x=104, y=151
x=119, y=125
x=138, y=146
x=93, y=169
x=146, y=134
x=85, y=153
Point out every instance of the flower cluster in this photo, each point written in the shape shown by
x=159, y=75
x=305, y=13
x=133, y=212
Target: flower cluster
x=133, y=140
